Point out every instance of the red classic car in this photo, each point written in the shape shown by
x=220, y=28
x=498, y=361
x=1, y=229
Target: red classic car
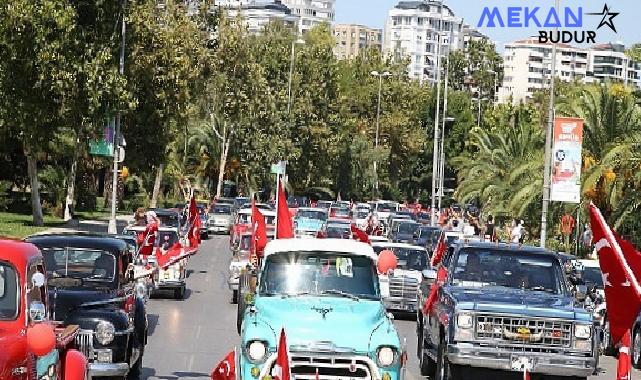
x=27, y=353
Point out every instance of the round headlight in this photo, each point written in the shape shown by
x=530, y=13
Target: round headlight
x=385, y=356
x=105, y=332
x=256, y=350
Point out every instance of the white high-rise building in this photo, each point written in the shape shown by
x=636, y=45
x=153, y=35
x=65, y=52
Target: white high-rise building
x=258, y=13
x=311, y=12
x=528, y=67
x=411, y=31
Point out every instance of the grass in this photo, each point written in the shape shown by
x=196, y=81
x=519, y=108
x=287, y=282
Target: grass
x=18, y=226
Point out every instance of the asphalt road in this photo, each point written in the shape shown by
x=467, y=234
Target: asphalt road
x=188, y=338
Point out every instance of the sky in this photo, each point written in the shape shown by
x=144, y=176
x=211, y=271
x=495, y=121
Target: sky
x=628, y=22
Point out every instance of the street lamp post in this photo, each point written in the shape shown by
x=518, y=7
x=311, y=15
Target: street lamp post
x=291, y=73
x=112, y=227
x=435, y=156
x=378, y=122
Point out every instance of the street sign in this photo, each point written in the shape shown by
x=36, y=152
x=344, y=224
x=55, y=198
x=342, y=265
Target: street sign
x=104, y=145
x=279, y=168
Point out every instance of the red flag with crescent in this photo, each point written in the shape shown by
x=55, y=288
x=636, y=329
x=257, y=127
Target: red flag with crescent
x=226, y=369
x=284, y=229
x=281, y=370
x=359, y=234
x=439, y=251
x=174, y=254
x=259, y=231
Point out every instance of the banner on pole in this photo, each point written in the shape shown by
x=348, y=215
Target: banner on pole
x=566, y=160
x=104, y=145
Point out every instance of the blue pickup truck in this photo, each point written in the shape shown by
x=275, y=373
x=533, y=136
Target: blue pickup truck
x=504, y=308
x=325, y=293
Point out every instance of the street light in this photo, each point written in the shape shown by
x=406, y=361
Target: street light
x=380, y=76
x=448, y=121
x=291, y=73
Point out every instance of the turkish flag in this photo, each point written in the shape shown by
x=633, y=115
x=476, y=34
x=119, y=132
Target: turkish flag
x=173, y=255
x=281, y=369
x=624, y=365
x=284, y=228
x=226, y=369
x=621, y=266
x=148, y=239
x=359, y=234
x=441, y=275
x=439, y=251
x=259, y=231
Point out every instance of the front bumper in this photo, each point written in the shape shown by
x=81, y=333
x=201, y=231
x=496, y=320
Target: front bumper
x=108, y=369
x=400, y=304
x=170, y=284
x=233, y=282
x=218, y=228
x=560, y=364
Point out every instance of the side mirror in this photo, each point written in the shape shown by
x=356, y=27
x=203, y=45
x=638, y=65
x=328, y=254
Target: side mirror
x=580, y=292
x=429, y=275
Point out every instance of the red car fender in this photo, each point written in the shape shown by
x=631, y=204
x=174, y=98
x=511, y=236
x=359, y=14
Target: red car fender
x=75, y=365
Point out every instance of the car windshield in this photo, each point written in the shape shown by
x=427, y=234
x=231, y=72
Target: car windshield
x=323, y=204
x=408, y=258
x=221, y=209
x=428, y=232
x=166, y=239
x=510, y=269
x=240, y=201
x=340, y=211
x=408, y=228
x=245, y=243
x=311, y=214
x=9, y=289
x=385, y=207
x=338, y=232
x=319, y=274
x=170, y=220
x=91, y=265
x=362, y=214
x=246, y=219
x=593, y=276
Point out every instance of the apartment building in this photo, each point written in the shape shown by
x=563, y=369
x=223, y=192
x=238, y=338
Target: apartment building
x=311, y=12
x=353, y=39
x=257, y=14
x=528, y=67
x=412, y=29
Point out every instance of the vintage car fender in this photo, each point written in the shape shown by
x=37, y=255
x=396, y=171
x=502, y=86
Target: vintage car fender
x=75, y=365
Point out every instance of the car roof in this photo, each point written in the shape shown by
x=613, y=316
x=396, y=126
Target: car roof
x=397, y=245
x=318, y=209
x=17, y=252
x=248, y=211
x=164, y=211
x=339, y=221
x=79, y=241
x=320, y=245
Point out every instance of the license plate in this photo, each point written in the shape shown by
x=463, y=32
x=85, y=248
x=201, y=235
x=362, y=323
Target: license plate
x=521, y=363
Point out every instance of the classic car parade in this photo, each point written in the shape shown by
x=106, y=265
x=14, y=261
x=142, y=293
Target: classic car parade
x=220, y=218
x=504, y=307
x=401, y=286
x=325, y=293
x=91, y=284
x=24, y=313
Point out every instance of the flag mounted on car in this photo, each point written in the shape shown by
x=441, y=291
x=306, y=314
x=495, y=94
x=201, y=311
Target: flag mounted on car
x=259, y=231
x=359, y=234
x=284, y=229
x=174, y=254
x=281, y=370
x=226, y=369
x=439, y=250
x=194, y=223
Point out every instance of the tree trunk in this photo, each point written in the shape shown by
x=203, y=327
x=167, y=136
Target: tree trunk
x=154, y=195
x=221, y=167
x=36, y=206
x=71, y=180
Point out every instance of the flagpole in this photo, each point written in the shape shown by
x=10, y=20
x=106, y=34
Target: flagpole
x=276, y=218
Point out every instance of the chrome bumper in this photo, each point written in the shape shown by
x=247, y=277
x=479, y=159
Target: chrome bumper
x=400, y=304
x=500, y=359
x=169, y=284
x=108, y=369
x=218, y=228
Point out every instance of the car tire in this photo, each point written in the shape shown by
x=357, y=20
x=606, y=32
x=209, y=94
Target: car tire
x=608, y=347
x=636, y=348
x=445, y=370
x=179, y=293
x=234, y=296
x=426, y=365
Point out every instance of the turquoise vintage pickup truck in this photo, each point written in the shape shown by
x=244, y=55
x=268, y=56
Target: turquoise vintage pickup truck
x=325, y=294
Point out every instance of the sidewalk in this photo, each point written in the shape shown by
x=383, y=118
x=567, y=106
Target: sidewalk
x=92, y=226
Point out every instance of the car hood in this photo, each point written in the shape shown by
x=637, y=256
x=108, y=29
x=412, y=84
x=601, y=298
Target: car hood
x=309, y=224
x=514, y=301
x=66, y=302
x=13, y=353
x=346, y=323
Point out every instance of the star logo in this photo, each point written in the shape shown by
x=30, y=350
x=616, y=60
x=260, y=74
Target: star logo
x=607, y=18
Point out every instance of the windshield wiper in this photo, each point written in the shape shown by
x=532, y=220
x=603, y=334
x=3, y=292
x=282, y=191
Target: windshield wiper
x=288, y=295
x=340, y=293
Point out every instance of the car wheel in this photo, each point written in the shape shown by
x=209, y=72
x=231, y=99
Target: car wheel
x=426, y=364
x=234, y=296
x=636, y=348
x=445, y=370
x=135, y=372
x=608, y=348
x=179, y=293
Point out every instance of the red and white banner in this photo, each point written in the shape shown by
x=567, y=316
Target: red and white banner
x=173, y=255
x=226, y=369
x=566, y=160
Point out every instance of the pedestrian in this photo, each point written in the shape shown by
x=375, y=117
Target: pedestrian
x=490, y=230
x=586, y=239
x=516, y=234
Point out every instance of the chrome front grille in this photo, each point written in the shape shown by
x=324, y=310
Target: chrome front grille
x=519, y=331
x=329, y=367
x=84, y=343
x=403, y=287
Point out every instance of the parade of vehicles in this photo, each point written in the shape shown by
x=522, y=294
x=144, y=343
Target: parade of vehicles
x=24, y=310
x=325, y=293
x=400, y=286
x=308, y=221
x=338, y=231
x=504, y=307
x=427, y=236
x=383, y=209
x=240, y=263
x=91, y=285
x=404, y=232
x=242, y=223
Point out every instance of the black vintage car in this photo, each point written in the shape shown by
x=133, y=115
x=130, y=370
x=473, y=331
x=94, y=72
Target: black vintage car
x=90, y=282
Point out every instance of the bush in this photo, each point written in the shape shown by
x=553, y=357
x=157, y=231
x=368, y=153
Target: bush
x=5, y=195
x=138, y=200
